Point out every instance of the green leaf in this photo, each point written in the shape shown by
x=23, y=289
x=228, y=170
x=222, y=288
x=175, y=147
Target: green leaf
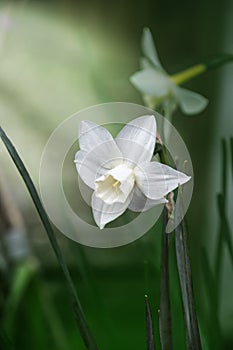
x=149, y=326
x=77, y=308
x=231, y=145
x=224, y=235
x=183, y=263
x=224, y=168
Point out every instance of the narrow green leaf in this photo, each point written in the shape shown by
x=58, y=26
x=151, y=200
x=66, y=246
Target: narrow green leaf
x=231, y=145
x=225, y=235
x=77, y=308
x=183, y=263
x=149, y=326
x=220, y=237
x=165, y=328
x=224, y=168
x=221, y=204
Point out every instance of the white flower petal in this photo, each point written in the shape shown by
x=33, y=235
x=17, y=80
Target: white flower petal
x=92, y=135
x=137, y=139
x=156, y=180
x=99, y=151
x=104, y=213
x=190, y=102
x=141, y=203
x=91, y=165
x=149, y=49
x=152, y=82
x=88, y=167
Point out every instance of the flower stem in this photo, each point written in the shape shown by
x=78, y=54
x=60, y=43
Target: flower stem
x=193, y=340
x=165, y=327
x=165, y=321
x=219, y=60
x=190, y=73
x=77, y=308
x=183, y=264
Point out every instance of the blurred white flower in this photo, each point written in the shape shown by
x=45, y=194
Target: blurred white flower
x=160, y=89
x=120, y=171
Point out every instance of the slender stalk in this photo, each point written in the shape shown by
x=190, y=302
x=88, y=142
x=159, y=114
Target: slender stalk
x=193, y=340
x=165, y=327
x=219, y=60
x=77, y=308
x=188, y=74
x=231, y=150
x=183, y=264
x=191, y=72
x=165, y=323
x=149, y=326
x=224, y=236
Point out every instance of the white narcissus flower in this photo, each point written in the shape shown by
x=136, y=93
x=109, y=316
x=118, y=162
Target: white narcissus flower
x=120, y=172
x=160, y=89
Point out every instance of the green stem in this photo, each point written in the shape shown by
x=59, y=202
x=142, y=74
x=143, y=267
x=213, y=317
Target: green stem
x=192, y=72
x=165, y=320
x=188, y=74
x=77, y=308
x=183, y=264
x=165, y=327
x=219, y=60
x=193, y=340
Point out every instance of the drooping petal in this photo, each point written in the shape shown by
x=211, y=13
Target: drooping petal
x=156, y=180
x=137, y=139
x=190, y=102
x=152, y=82
x=141, y=203
x=104, y=213
x=149, y=49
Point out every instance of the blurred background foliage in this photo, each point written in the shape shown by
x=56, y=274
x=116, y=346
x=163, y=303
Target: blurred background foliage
x=57, y=57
